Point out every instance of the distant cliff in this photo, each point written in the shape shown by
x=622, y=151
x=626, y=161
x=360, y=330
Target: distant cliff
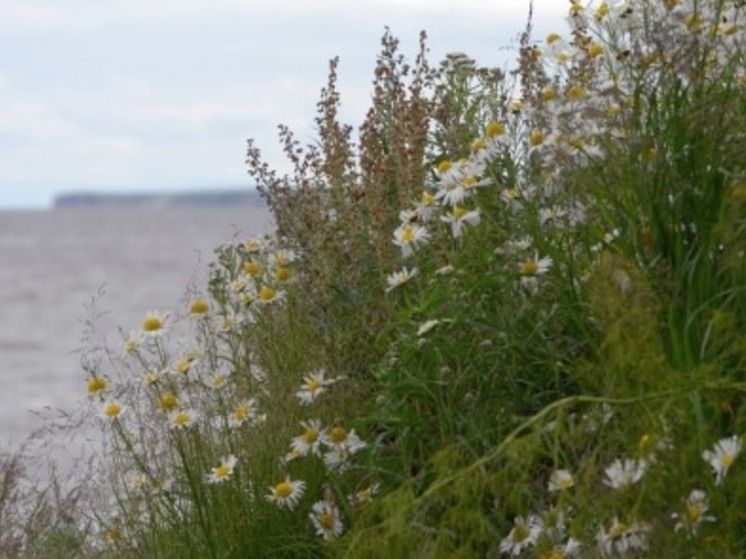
x=197, y=199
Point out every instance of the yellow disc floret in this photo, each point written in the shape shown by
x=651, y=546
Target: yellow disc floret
x=199, y=307
x=493, y=129
x=283, y=490
x=96, y=385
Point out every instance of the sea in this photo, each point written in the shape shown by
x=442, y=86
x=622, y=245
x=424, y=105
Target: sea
x=62, y=269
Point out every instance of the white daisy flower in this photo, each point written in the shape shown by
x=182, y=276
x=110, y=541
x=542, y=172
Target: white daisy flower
x=459, y=218
x=535, y=266
x=243, y=412
x=400, y=278
x=409, y=236
x=341, y=444
x=326, y=519
x=425, y=208
x=182, y=419
x=282, y=257
x=309, y=442
x=111, y=410
x=560, y=480
x=268, y=295
x=364, y=495
x=133, y=342
x=524, y=534
x=622, y=538
x=154, y=324
x=287, y=493
x=622, y=473
x=253, y=245
x=695, y=513
x=223, y=471
x=313, y=386
x=722, y=456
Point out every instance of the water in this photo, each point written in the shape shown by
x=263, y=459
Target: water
x=53, y=263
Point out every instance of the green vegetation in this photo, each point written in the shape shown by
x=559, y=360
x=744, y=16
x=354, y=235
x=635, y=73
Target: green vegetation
x=506, y=320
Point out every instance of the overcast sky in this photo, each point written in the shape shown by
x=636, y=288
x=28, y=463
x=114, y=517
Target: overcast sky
x=118, y=95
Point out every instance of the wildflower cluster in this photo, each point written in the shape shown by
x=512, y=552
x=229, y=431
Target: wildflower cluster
x=567, y=193
x=186, y=406
x=516, y=307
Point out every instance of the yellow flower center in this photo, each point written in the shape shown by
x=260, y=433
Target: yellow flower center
x=536, y=137
x=326, y=520
x=494, y=129
x=553, y=38
x=407, y=234
x=199, y=306
x=313, y=385
x=694, y=22
x=182, y=366
x=219, y=381
x=283, y=273
x=469, y=181
x=427, y=199
x=241, y=412
x=152, y=377
x=283, y=489
x=549, y=93
x=575, y=93
x=564, y=484
x=726, y=460
x=513, y=193
x=338, y=435
x=520, y=533
x=113, y=534
x=693, y=513
x=131, y=345
x=617, y=530
x=112, y=410
x=613, y=110
x=181, y=418
x=529, y=268
x=267, y=293
x=732, y=29
x=594, y=50
x=252, y=268
x=458, y=212
x=478, y=144
x=602, y=10
x=222, y=471
x=96, y=384
x=311, y=436
x=152, y=323
x=444, y=166
x=168, y=401
x=253, y=245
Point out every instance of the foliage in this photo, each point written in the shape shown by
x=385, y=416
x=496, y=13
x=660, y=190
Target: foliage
x=502, y=318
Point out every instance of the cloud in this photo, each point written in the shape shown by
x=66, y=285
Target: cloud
x=160, y=92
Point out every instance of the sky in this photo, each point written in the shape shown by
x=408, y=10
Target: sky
x=137, y=95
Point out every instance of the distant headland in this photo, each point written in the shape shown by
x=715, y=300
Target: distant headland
x=191, y=199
